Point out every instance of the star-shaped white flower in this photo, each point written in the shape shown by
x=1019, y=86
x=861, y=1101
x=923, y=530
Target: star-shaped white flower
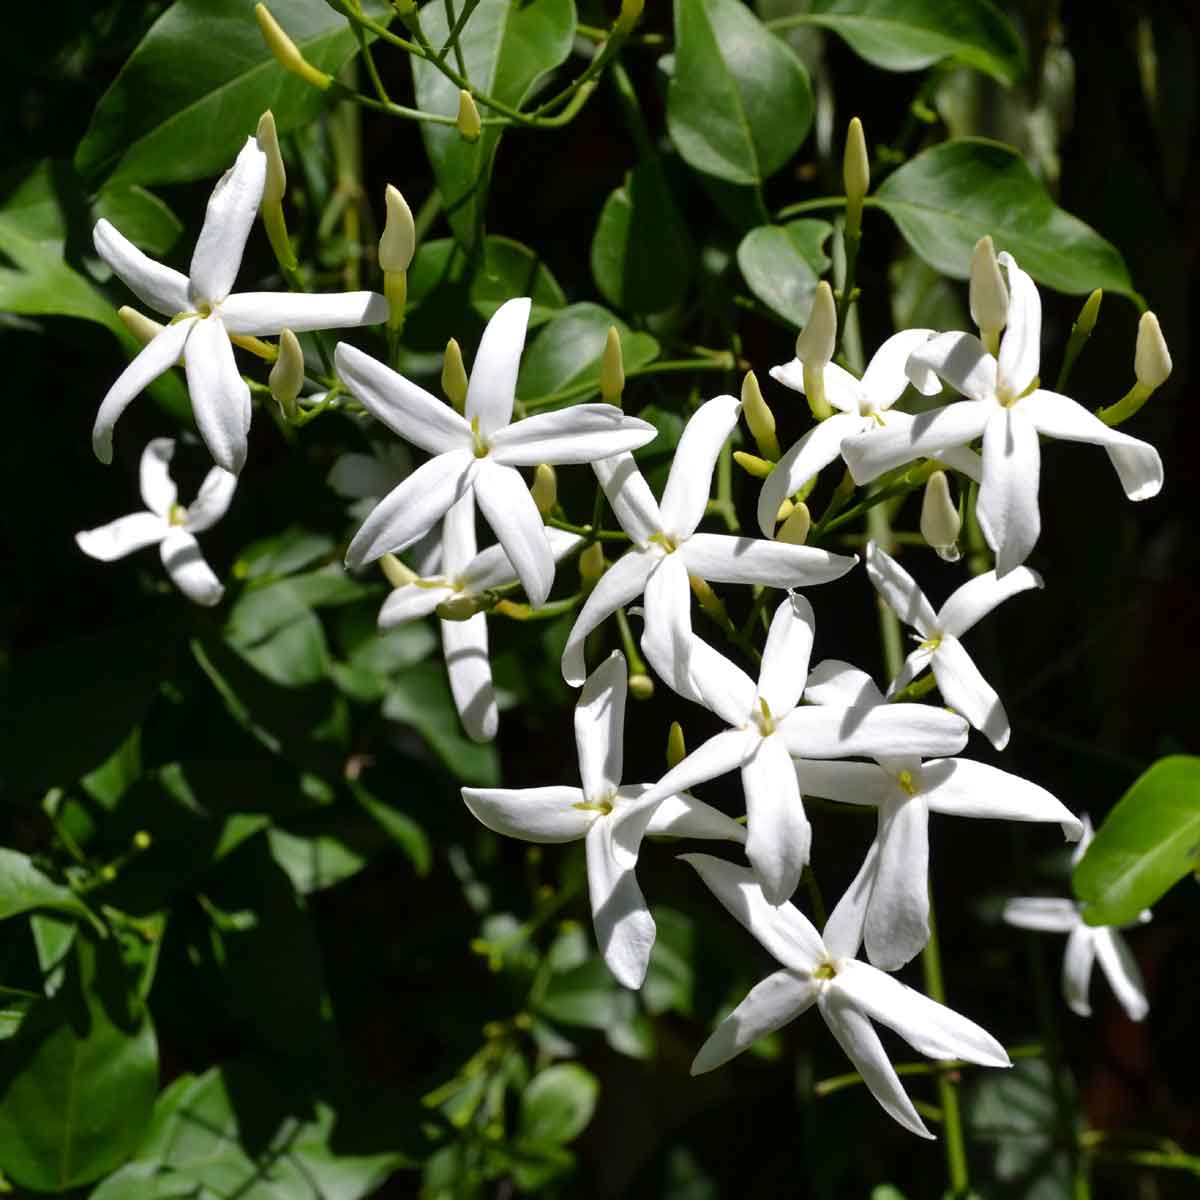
x=667, y=549
x=480, y=452
x=624, y=927
x=958, y=678
x=167, y=524
x=204, y=314
x=462, y=575
x=1086, y=944
x=768, y=729
x=889, y=899
x=864, y=405
x=822, y=970
x=1009, y=410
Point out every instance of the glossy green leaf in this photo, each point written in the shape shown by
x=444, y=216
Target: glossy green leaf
x=585, y=995
x=949, y=196
x=140, y=215
x=782, y=265
x=506, y=47
x=282, y=554
x=192, y=91
x=739, y=103
x=23, y=888
x=908, y=35
x=558, y=1104
x=1149, y=842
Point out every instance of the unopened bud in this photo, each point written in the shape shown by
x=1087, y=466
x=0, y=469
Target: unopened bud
x=142, y=840
x=641, y=687
x=818, y=339
x=794, y=531
x=988, y=294
x=591, y=565
x=1086, y=321
x=785, y=510
x=454, y=376
x=287, y=375
x=460, y=608
x=268, y=143
x=676, y=747
x=612, y=369
x=1151, y=359
x=141, y=326
x=759, y=418
x=544, y=489
x=469, y=126
x=399, y=239
x=940, y=522
x=752, y=464
x=398, y=575
x=630, y=11
x=709, y=600
x=286, y=53
x=856, y=175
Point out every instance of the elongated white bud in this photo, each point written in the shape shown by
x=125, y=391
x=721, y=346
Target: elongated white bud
x=454, y=376
x=988, y=293
x=940, y=522
x=469, y=126
x=759, y=418
x=612, y=369
x=1151, y=359
x=286, y=52
x=399, y=239
x=795, y=529
x=856, y=174
x=287, y=375
x=544, y=489
x=817, y=340
x=268, y=143
x=141, y=326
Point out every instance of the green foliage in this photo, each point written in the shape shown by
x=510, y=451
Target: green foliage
x=782, y=265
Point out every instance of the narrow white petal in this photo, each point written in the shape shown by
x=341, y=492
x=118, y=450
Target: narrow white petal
x=624, y=927
x=722, y=753
x=1045, y=914
x=622, y=583
x=785, y=656
x=600, y=727
x=910, y=668
x=690, y=480
x=723, y=558
x=885, y=379
x=493, y=383
x=122, y=536
x=161, y=352
x=412, y=507
x=966, y=691
x=406, y=409
x=721, y=685
x=1021, y=345
x=583, y=433
x=814, y=451
x=928, y=435
x=458, y=536
x=768, y=1006
x=411, y=602
x=779, y=836
x=844, y=930
x=509, y=509
x=832, y=681
x=159, y=287
x=959, y=457
x=266, y=313
x=1137, y=463
x=782, y=929
x=884, y=731
x=843, y=390
x=682, y=815
x=220, y=397
x=490, y=568
x=853, y=1032
x=1077, y=969
x=232, y=208
x=465, y=645
x=1008, y=497
x=629, y=496
x=977, y=597
x=1121, y=970
x=963, y=788
x=154, y=476
x=668, y=636
x=212, y=500
x=899, y=591
x=188, y=571
x=959, y=359
x=897, y=924
x=545, y=814
x=846, y=782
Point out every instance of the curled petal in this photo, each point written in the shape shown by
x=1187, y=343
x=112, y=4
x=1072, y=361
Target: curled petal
x=583, y=433
x=1008, y=496
x=815, y=450
x=220, y=397
x=768, y=1006
x=722, y=558
x=977, y=597
x=1121, y=970
x=686, y=495
x=266, y=313
x=779, y=835
x=927, y=435
x=961, y=360
x=1045, y=914
x=1077, y=969
x=630, y=497
x=509, y=509
x=122, y=536
x=231, y=210
x=413, y=601
x=212, y=500
x=899, y=591
x=622, y=583
x=493, y=383
x=154, y=476
x=188, y=571
x=966, y=691
x=546, y=814
x=835, y=682
x=897, y=923
x=624, y=927
x=465, y=645
x=159, y=287
x=600, y=727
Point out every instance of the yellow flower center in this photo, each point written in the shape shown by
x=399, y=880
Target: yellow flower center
x=666, y=541
x=177, y=515
x=825, y=970
x=481, y=446
x=907, y=783
x=763, y=718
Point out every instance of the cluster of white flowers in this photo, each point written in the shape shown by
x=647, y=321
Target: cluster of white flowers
x=790, y=732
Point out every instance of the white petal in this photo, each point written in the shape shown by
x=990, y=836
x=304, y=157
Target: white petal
x=412, y=507
x=1077, y=969
x=682, y=815
x=1045, y=914
x=846, y=782
x=188, y=571
x=966, y=691
x=721, y=685
x=154, y=476
x=779, y=836
x=768, y=1006
x=622, y=583
x=212, y=500
x=232, y=208
x=411, y=602
x=961, y=360
x=465, y=645
x=668, y=634
x=406, y=409
x=122, y=536
x=490, y=568
x=977, y=597
x=884, y=731
x=493, y=383
x=624, y=926
x=835, y=682
x=686, y=495
x=1021, y=345
x=815, y=450
x=897, y=924
x=1008, y=497
x=786, y=654
x=630, y=497
x=844, y=929
x=220, y=397
x=544, y=814
x=959, y=457
x=458, y=536
x=509, y=509
x=159, y=287
x=266, y=313
x=843, y=390
x=910, y=668
x=963, y=788
x=885, y=379
x=722, y=558
x=161, y=352
x=722, y=753
x=600, y=727
x=928, y=435
x=899, y=591
x=1121, y=970
x=783, y=929
x=583, y=433
x=1137, y=463
x=861, y=1043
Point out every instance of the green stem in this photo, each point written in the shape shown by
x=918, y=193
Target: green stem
x=837, y=1083
x=815, y=205
x=452, y=40
x=850, y=243
x=587, y=531
x=658, y=368
x=636, y=665
x=456, y=28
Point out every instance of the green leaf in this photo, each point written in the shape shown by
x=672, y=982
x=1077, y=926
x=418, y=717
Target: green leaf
x=782, y=265
x=670, y=978
x=558, y=1104
x=282, y=554
x=949, y=196
x=23, y=888
x=908, y=35
x=140, y=215
x=1149, y=842
x=568, y=351
x=506, y=48
x=193, y=89
x=739, y=103
x=402, y=829
x=641, y=252
x=585, y=995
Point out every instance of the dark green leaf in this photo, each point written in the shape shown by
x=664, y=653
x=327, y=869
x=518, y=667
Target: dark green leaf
x=558, y=1104
x=314, y=861
x=282, y=554
x=53, y=938
x=670, y=978
x=140, y=215
x=782, y=265
x=739, y=103
x=949, y=196
x=23, y=887
x=402, y=829
x=1149, y=842
x=586, y=995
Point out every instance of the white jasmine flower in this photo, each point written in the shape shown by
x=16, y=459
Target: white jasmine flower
x=958, y=678
x=624, y=927
x=167, y=524
x=204, y=314
x=864, y=406
x=667, y=549
x=1004, y=405
x=768, y=728
x=481, y=451
x=1086, y=944
x=822, y=970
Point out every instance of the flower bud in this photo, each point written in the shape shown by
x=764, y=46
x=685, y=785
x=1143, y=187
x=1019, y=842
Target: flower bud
x=940, y=522
x=856, y=175
x=141, y=326
x=641, y=687
x=759, y=468
x=142, y=840
x=785, y=509
x=460, y=608
x=399, y=238
x=988, y=294
x=544, y=489
x=818, y=339
x=794, y=531
x=268, y=143
x=468, y=123
x=1151, y=359
x=759, y=418
x=591, y=565
x=286, y=53
x=676, y=747
x=398, y=575
x=287, y=375
x=454, y=376
x=1086, y=321
x=612, y=369
x=709, y=600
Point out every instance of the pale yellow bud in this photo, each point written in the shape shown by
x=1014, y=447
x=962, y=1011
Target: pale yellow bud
x=641, y=687
x=817, y=340
x=399, y=239
x=286, y=53
x=709, y=600
x=268, y=143
x=591, y=565
x=940, y=522
x=398, y=575
x=795, y=529
x=141, y=326
x=676, y=747
x=612, y=369
x=988, y=294
x=785, y=510
x=460, y=608
x=544, y=489
x=454, y=376
x=759, y=468
x=856, y=174
x=759, y=418
x=287, y=375
x=468, y=123
x=1151, y=359
x=1086, y=321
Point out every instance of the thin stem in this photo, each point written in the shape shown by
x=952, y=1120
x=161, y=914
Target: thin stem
x=456, y=28
x=658, y=368
x=636, y=665
x=850, y=244
x=587, y=531
x=837, y=1083
x=452, y=40
x=814, y=205
x=820, y=913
